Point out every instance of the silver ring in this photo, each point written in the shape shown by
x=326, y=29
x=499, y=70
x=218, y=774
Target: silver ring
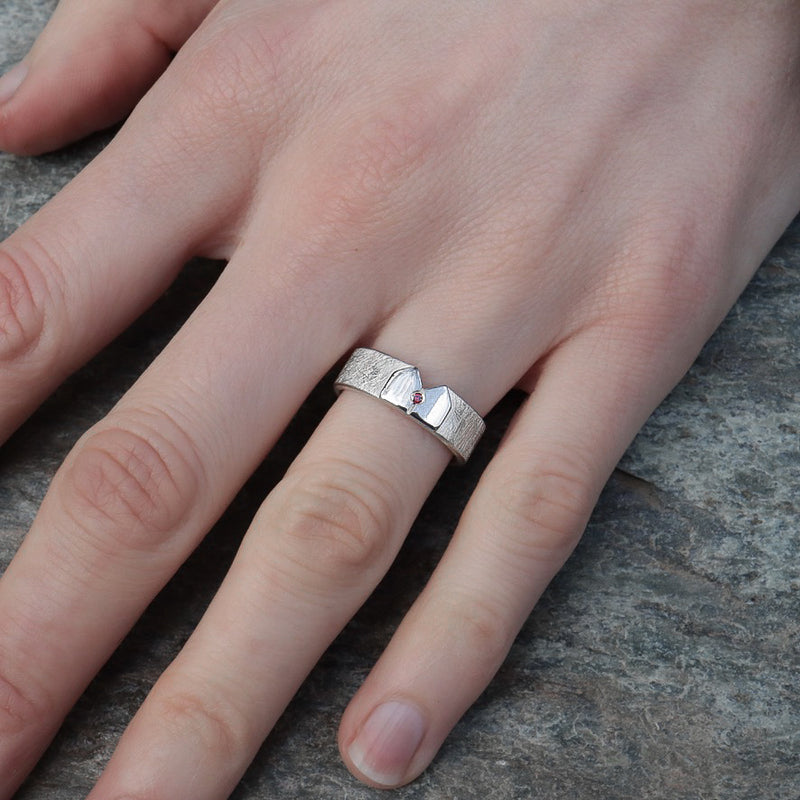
x=439, y=409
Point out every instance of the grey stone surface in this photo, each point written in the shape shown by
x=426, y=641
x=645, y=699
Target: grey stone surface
x=661, y=663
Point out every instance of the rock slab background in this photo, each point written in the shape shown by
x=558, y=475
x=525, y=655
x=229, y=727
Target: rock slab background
x=662, y=662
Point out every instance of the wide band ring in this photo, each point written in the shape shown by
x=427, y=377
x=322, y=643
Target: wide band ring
x=439, y=409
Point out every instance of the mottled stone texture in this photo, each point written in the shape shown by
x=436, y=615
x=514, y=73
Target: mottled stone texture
x=661, y=663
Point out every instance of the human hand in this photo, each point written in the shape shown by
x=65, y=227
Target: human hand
x=594, y=243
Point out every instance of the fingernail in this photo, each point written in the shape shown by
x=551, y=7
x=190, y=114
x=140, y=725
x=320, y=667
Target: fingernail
x=11, y=81
x=383, y=749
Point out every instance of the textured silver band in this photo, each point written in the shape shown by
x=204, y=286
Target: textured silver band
x=438, y=409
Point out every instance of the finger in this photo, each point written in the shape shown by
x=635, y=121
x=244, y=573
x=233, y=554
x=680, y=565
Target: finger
x=98, y=254
x=315, y=550
x=521, y=524
x=89, y=67
x=138, y=492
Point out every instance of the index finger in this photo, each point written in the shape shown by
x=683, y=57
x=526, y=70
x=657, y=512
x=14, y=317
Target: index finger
x=99, y=253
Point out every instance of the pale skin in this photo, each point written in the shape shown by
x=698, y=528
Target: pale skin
x=566, y=197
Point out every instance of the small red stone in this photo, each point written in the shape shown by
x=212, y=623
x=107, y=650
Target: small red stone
x=417, y=398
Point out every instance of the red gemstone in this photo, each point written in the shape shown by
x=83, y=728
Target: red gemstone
x=417, y=398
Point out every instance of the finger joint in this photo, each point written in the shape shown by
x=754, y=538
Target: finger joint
x=22, y=309
x=131, y=487
x=336, y=521
x=21, y=707
x=544, y=506
x=213, y=725
x=481, y=634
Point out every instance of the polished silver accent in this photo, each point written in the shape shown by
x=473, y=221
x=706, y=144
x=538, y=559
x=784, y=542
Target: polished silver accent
x=439, y=409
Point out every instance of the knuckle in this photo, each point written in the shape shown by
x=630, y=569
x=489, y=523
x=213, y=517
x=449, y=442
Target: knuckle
x=371, y=162
x=337, y=521
x=245, y=64
x=367, y=186
x=483, y=636
x=22, y=313
x=545, y=506
x=386, y=148
x=21, y=707
x=129, y=488
x=665, y=281
x=257, y=44
x=210, y=724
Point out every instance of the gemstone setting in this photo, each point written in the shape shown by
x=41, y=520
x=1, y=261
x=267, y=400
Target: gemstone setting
x=404, y=389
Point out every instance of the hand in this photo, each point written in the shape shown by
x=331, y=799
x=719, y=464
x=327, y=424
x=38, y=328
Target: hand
x=528, y=194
